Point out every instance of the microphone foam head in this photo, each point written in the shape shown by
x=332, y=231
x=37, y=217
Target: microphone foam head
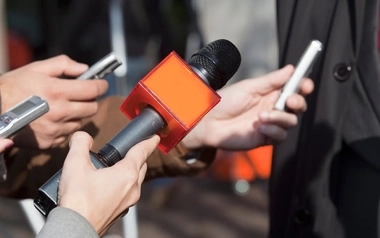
x=217, y=61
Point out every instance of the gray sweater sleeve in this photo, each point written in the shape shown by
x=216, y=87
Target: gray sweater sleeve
x=64, y=222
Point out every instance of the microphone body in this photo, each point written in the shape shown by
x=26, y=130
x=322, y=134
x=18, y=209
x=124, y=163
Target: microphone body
x=169, y=101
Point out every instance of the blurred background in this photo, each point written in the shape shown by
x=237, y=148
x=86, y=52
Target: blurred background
x=230, y=200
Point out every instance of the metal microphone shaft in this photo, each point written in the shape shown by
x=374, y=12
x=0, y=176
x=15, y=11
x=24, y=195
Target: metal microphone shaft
x=143, y=126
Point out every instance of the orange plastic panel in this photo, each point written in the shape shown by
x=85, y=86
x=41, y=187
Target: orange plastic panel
x=246, y=165
x=262, y=159
x=177, y=94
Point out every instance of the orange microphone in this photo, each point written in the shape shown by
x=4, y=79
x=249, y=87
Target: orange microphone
x=177, y=96
x=169, y=101
x=173, y=97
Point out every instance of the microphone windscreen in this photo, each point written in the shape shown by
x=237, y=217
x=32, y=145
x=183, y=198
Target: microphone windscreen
x=218, y=61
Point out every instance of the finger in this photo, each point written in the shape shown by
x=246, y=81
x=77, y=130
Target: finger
x=58, y=141
x=142, y=174
x=78, y=156
x=59, y=65
x=273, y=132
x=77, y=110
x=274, y=80
x=306, y=87
x=138, y=154
x=279, y=118
x=4, y=144
x=83, y=90
x=68, y=128
x=60, y=129
x=296, y=103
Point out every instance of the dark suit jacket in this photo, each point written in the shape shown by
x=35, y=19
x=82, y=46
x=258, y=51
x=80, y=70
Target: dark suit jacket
x=326, y=175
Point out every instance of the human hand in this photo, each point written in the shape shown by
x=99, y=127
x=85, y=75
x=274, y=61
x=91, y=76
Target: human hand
x=101, y=195
x=245, y=118
x=69, y=101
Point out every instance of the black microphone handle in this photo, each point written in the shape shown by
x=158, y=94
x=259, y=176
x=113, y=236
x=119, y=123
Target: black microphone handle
x=47, y=195
x=143, y=126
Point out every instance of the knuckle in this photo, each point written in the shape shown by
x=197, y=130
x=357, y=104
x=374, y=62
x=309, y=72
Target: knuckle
x=138, y=152
x=136, y=194
x=145, y=152
x=91, y=108
x=295, y=120
x=58, y=141
x=133, y=176
x=130, y=176
x=78, y=125
x=75, y=127
x=56, y=115
x=45, y=144
x=144, y=168
x=285, y=135
x=135, y=199
x=95, y=106
x=93, y=89
x=305, y=107
x=32, y=65
x=63, y=58
x=53, y=131
x=53, y=93
x=291, y=121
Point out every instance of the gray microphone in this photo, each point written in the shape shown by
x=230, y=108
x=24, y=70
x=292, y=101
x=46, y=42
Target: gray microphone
x=216, y=63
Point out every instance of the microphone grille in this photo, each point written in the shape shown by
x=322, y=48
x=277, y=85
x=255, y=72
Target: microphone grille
x=218, y=61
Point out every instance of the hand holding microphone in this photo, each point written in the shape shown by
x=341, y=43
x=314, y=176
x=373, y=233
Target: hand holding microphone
x=154, y=111
x=86, y=193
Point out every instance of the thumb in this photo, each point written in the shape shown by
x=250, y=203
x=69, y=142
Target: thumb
x=275, y=80
x=78, y=156
x=59, y=65
x=139, y=153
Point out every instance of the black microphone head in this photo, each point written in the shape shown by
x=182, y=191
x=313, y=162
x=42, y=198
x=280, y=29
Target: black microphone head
x=217, y=62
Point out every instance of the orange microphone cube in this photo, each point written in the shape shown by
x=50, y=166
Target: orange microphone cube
x=175, y=92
